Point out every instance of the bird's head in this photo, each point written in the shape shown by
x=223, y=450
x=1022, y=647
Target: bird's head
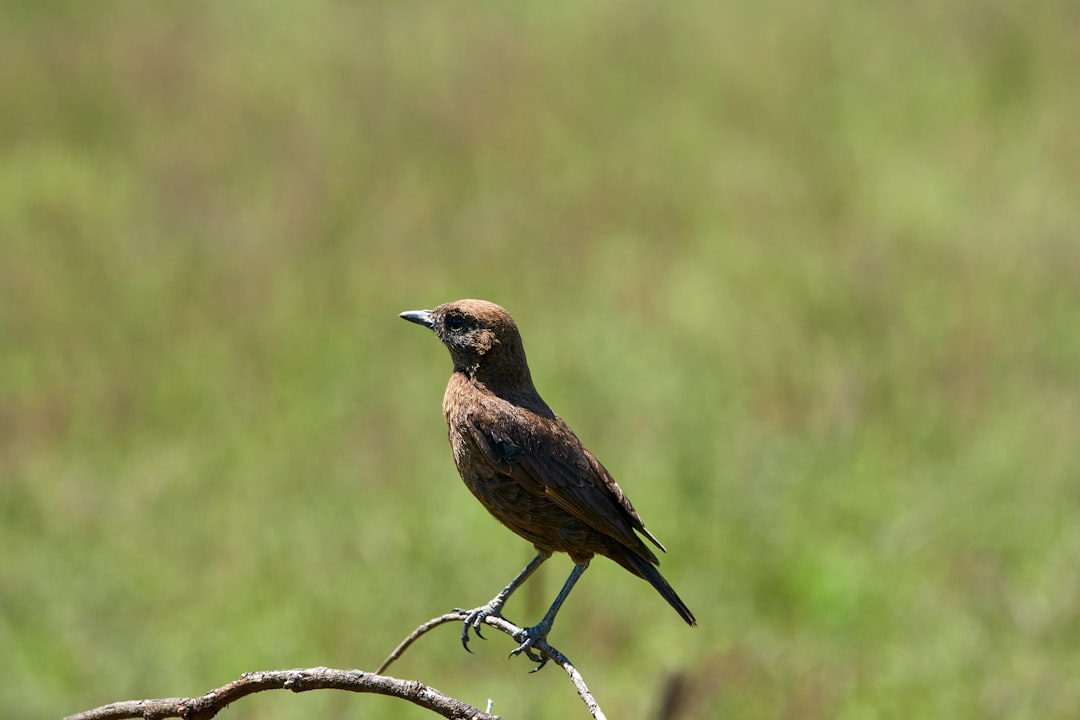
x=482, y=338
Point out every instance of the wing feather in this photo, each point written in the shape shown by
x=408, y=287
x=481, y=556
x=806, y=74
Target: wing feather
x=553, y=463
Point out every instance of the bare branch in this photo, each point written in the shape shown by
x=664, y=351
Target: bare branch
x=575, y=677
x=300, y=680
x=503, y=625
x=320, y=678
x=416, y=634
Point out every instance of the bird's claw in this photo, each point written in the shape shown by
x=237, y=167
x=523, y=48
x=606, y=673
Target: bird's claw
x=474, y=619
x=528, y=637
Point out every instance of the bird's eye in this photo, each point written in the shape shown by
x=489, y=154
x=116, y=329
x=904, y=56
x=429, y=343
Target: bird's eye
x=455, y=322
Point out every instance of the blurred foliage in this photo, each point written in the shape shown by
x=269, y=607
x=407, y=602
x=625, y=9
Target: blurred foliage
x=805, y=276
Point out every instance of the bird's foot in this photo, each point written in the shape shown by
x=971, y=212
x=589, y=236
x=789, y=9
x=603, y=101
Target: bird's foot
x=474, y=619
x=528, y=637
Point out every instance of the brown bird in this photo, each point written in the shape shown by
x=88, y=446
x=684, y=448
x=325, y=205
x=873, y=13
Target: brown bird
x=527, y=467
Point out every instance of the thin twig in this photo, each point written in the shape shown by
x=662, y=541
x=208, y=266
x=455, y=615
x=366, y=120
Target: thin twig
x=300, y=680
x=575, y=677
x=503, y=625
x=416, y=634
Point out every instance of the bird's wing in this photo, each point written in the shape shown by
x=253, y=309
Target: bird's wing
x=557, y=466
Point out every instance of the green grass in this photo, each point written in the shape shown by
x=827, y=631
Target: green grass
x=805, y=277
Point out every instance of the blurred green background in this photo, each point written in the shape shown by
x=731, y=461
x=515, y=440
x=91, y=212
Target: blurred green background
x=805, y=276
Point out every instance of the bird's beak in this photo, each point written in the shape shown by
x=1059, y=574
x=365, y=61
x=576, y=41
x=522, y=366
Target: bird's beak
x=420, y=317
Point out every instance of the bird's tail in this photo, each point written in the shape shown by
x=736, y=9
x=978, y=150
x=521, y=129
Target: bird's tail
x=643, y=568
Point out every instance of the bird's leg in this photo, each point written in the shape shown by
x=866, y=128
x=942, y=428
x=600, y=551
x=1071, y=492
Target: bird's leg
x=529, y=636
x=475, y=618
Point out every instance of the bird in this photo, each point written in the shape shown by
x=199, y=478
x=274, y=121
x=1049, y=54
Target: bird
x=528, y=468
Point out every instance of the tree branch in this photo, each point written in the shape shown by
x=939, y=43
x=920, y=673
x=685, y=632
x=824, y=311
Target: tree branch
x=302, y=680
